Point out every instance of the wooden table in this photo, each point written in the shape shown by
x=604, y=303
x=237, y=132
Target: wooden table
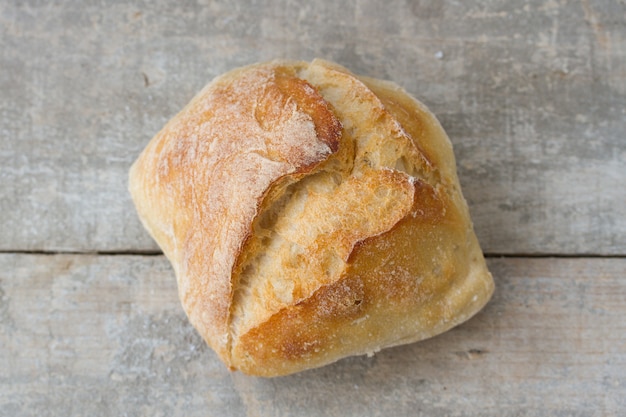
x=532, y=94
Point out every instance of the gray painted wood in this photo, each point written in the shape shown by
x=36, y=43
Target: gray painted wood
x=105, y=335
x=533, y=96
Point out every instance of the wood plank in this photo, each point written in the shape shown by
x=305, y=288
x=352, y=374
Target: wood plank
x=533, y=97
x=105, y=335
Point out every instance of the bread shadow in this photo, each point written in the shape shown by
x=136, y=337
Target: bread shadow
x=395, y=381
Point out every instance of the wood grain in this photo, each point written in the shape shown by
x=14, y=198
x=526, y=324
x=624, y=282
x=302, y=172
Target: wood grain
x=104, y=335
x=532, y=94
x=533, y=97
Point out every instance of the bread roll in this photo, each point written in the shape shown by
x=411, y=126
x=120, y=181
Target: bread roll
x=310, y=214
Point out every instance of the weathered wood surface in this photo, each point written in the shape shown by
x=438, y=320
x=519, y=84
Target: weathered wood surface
x=105, y=335
x=533, y=96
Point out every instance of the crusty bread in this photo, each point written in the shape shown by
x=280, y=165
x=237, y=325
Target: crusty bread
x=309, y=215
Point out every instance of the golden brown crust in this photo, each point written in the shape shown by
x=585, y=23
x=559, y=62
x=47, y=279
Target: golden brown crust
x=399, y=287
x=310, y=215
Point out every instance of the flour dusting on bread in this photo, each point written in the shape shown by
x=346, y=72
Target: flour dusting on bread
x=310, y=214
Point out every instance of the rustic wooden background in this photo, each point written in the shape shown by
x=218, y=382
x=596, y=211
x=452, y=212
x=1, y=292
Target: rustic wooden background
x=532, y=94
